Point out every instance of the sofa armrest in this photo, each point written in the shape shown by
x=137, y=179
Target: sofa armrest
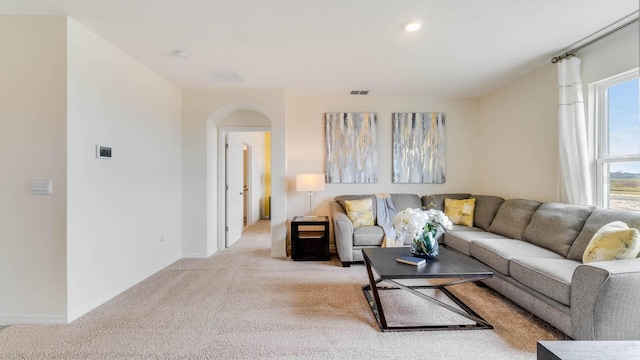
x=604, y=301
x=342, y=232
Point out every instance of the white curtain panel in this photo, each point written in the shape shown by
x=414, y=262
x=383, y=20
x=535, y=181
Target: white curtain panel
x=574, y=157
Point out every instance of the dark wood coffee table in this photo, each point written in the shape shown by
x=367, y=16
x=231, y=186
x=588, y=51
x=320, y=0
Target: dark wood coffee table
x=448, y=265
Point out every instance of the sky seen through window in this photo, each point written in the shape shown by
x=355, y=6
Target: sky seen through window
x=624, y=124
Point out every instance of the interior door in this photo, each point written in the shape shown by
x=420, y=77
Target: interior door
x=235, y=191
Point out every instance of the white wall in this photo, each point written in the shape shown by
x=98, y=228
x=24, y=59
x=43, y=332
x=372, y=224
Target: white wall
x=518, y=149
x=124, y=217
x=202, y=112
x=611, y=56
x=32, y=146
x=518, y=123
x=305, y=145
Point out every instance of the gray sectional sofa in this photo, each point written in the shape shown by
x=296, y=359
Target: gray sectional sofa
x=535, y=250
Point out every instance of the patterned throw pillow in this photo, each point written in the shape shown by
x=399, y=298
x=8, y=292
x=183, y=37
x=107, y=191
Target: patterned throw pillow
x=614, y=241
x=360, y=212
x=460, y=211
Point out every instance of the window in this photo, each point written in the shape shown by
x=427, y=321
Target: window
x=618, y=141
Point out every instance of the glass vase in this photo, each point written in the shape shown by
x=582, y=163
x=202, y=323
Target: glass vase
x=427, y=246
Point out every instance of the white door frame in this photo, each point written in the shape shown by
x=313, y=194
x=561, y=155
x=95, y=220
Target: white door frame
x=222, y=173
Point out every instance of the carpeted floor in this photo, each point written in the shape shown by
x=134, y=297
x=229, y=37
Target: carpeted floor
x=242, y=304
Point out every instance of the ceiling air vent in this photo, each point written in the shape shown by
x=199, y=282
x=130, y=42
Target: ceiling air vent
x=225, y=76
x=359, y=92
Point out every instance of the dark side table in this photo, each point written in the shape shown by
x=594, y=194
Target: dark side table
x=310, y=238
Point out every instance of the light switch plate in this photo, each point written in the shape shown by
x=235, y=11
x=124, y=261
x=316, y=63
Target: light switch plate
x=41, y=187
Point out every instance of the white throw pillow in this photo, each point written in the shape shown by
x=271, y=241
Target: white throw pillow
x=614, y=241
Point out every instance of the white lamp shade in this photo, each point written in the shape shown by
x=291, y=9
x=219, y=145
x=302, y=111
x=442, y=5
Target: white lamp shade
x=310, y=182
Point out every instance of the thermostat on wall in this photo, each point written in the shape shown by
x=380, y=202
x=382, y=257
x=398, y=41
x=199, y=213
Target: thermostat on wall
x=103, y=152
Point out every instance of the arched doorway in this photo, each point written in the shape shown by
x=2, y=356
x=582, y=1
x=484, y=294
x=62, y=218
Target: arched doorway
x=232, y=117
x=235, y=188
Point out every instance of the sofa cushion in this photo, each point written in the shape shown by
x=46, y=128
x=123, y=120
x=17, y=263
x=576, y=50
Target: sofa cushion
x=360, y=212
x=460, y=239
x=437, y=201
x=555, y=226
x=342, y=198
x=406, y=201
x=498, y=252
x=513, y=217
x=465, y=228
x=368, y=236
x=550, y=277
x=614, y=241
x=486, y=209
x=599, y=218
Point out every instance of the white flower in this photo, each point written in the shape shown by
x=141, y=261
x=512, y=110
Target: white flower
x=438, y=217
x=413, y=221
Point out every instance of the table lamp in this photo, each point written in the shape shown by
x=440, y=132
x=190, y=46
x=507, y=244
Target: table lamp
x=310, y=183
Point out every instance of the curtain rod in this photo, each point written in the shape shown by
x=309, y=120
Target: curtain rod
x=573, y=51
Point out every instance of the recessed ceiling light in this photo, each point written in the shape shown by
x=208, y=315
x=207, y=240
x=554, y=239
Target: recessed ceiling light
x=413, y=25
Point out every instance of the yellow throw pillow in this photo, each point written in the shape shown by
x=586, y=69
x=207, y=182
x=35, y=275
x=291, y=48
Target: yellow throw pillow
x=614, y=241
x=360, y=212
x=460, y=211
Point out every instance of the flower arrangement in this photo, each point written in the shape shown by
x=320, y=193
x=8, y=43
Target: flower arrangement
x=422, y=226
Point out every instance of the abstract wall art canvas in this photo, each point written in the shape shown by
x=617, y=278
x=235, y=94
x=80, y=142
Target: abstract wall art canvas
x=351, y=148
x=418, y=148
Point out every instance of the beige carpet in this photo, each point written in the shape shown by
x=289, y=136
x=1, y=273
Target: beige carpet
x=242, y=304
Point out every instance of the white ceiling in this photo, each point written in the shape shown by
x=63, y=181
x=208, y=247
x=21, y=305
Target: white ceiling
x=329, y=47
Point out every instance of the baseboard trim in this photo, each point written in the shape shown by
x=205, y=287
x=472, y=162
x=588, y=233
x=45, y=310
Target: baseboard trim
x=32, y=319
x=196, y=255
x=278, y=254
x=212, y=251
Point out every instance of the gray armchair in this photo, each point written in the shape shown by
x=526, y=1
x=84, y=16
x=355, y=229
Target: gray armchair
x=351, y=240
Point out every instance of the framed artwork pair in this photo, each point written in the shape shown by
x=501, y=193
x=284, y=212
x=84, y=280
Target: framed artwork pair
x=351, y=149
